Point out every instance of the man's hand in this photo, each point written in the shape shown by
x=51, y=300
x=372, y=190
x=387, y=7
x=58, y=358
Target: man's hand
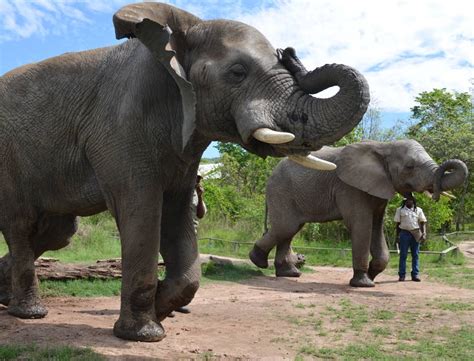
x=199, y=189
x=423, y=237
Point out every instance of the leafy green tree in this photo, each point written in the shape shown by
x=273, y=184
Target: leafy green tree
x=444, y=125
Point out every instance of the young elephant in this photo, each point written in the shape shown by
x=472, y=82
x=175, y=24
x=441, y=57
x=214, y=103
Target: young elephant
x=123, y=128
x=367, y=176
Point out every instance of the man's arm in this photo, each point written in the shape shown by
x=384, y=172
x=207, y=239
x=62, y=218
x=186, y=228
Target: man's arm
x=397, y=237
x=201, y=208
x=422, y=223
x=397, y=225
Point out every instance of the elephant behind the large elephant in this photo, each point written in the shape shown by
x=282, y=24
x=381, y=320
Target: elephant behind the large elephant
x=367, y=176
x=123, y=128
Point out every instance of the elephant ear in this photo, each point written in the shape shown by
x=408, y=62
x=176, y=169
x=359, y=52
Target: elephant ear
x=162, y=29
x=361, y=165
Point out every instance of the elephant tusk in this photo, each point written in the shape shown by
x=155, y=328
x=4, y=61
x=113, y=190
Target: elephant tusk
x=428, y=194
x=312, y=162
x=449, y=195
x=266, y=135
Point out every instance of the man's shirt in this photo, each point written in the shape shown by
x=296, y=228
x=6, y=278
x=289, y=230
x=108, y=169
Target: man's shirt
x=409, y=219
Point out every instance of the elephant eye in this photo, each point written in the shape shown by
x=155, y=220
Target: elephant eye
x=237, y=73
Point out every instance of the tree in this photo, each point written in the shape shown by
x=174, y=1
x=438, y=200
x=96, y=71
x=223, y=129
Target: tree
x=444, y=125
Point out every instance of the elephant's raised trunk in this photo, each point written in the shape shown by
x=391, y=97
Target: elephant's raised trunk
x=328, y=119
x=456, y=177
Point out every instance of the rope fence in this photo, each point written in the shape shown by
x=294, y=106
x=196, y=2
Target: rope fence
x=452, y=246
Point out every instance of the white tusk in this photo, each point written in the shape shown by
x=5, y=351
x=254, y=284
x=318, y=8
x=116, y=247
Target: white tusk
x=428, y=193
x=449, y=195
x=312, y=162
x=266, y=135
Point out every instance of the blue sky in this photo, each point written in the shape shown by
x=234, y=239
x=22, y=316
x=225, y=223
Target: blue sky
x=402, y=47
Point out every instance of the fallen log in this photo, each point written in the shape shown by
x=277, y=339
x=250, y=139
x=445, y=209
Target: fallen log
x=53, y=269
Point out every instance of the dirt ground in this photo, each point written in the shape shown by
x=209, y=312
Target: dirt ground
x=259, y=318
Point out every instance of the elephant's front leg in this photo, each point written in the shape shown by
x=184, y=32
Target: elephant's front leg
x=139, y=222
x=360, y=226
x=180, y=253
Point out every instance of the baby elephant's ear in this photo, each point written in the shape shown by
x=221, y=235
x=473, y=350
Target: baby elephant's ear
x=162, y=29
x=362, y=165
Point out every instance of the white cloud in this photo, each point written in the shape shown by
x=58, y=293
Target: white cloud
x=403, y=47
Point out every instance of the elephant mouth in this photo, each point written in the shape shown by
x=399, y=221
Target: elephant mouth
x=267, y=142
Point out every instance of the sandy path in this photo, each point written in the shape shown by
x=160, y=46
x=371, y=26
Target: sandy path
x=250, y=319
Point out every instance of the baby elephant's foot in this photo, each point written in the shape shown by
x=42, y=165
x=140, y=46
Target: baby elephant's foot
x=361, y=279
x=286, y=270
x=144, y=331
x=27, y=309
x=259, y=257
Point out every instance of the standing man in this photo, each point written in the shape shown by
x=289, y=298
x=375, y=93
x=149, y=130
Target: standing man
x=199, y=208
x=411, y=230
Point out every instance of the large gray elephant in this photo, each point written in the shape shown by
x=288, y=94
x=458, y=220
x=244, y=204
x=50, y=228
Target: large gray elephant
x=123, y=128
x=367, y=176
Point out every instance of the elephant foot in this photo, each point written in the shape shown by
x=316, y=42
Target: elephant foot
x=361, y=279
x=286, y=270
x=28, y=309
x=144, y=331
x=372, y=273
x=259, y=257
x=169, y=297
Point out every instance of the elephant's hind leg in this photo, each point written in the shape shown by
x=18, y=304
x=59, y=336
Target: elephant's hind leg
x=25, y=301
x=287, y=262
x=280, y=235
x=53, y=232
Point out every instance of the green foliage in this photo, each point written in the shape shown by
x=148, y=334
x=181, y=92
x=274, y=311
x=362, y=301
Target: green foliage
x=445, y=127
x=41, y=353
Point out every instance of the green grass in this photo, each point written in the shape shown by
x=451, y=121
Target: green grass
x=357, y=315
x=441, y=344
x=384, y=314
x=80, y=288
x=40, y=353
x=381, y=331
x=455, y=306
x=455, y=276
